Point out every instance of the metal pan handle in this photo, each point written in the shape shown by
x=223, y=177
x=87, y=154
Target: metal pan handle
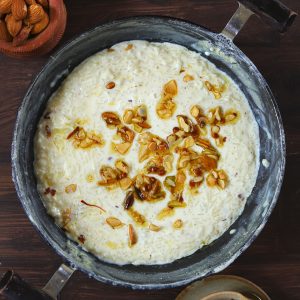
x=13, y=287
x=273, y=11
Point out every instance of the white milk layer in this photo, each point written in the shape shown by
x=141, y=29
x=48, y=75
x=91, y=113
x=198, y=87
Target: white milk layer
x=139, y=75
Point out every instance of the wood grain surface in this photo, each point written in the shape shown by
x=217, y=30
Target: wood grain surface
x=273, y=260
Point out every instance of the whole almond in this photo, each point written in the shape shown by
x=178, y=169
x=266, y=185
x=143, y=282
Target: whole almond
x=4, y=34
x=5, y=6
x=13, y=26
x=44, y=3
x=36, y=13
x=22, y=37
x=19, y=9
x=40, y=26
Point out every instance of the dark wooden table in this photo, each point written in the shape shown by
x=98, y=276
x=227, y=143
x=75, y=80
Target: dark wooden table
x=273, y=260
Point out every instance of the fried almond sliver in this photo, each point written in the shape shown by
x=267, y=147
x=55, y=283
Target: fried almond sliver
x=111, y=119
x=154, y=227
x=138, y=117
x=122, y=148
x=166, y=106
x=178, y=224
x=175, y=203
x=217, y=178
x=136, y=216
x=132, y=237
x=217, y=91
x=188, y=78
x=83, y=139
x=148, y=188
x=122, y=166
x=165, y=212
x=71, y=188
x=114, y=222
x=151, y=145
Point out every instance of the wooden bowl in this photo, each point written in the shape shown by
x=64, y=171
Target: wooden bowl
x=223, y=287
x=46, y=40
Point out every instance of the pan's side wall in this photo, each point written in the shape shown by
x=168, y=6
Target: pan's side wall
x=223, y=251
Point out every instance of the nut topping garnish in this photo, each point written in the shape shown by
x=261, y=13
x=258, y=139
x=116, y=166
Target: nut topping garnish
x=176, y=203
x=178, y=224
x=188, y=78
x=136, y=216
x=166, y=106
x=195, y=111
x=148, y=188
x=150, y=145
x=110, y=176
x=217, y=91
x=132, y=236
x=196, y=182
x=128, y=115
x=122, y=166
x=155, y=166
x=189, y=142
x=165, y=212
x=125, y=133
x=129, y=47
x=160, y=165
x=176, y=187
x=169, y=183
x=129, y=200
x=187, y=127
x=217, y=178
x=110, y=85
x=111, y=119
x=154, y=227
x=66, y=217
x=231, y=116
x=125, y=183
x=183, y=124
x=89, y=178
x=114, y=222
x=71, y=188
x=216, y=116
x=122, y=148
x=137, y=117
x=114, y=177
x=84, y=140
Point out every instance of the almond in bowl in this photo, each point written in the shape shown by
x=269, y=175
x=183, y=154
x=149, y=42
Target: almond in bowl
x=30, y=27
x=170, y=155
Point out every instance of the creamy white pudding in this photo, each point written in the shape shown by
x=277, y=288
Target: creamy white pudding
x=108, y=134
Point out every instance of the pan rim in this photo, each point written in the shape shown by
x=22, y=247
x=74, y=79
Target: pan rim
x=66, y=256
